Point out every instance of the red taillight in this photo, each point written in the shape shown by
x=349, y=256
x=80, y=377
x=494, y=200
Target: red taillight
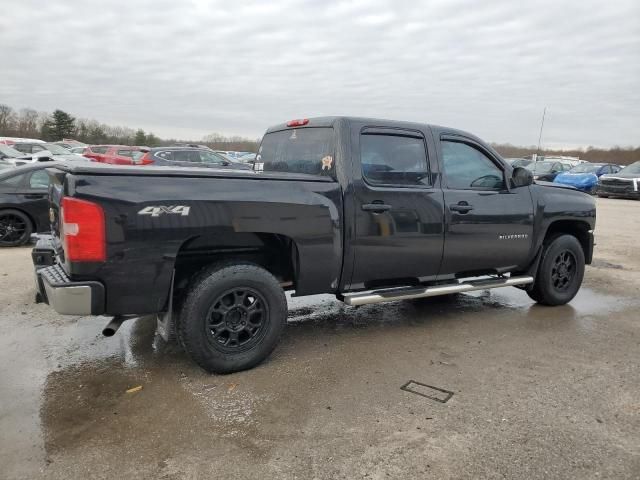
x=144, y=159
x=83, y=231
x=297, y=123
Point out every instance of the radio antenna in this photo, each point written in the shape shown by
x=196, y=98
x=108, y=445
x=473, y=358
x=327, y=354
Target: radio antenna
x=544, y=112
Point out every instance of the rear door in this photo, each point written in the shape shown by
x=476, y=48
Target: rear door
x=398, y=208
x=489, y=225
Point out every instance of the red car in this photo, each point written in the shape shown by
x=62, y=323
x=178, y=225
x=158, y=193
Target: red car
x=117, y=154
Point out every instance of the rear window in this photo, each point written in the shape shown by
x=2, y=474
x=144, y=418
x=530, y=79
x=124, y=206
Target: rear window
x=135, y=154
x=298, y=150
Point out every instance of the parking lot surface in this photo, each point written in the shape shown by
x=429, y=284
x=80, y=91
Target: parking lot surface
x=538, y=392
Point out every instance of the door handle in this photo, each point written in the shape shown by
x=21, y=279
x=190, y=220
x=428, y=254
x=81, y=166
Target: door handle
x=35, y=195
x=376, y=207
x=462, y=207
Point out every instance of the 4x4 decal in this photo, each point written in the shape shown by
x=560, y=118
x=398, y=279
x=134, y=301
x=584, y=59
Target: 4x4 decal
x=156, y=211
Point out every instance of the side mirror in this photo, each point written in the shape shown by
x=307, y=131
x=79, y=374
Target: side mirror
x=521, y=177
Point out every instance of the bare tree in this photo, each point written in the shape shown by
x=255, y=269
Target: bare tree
x=27, y=123
x=7, y=120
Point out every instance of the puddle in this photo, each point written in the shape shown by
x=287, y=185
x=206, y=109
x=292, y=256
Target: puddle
x=586, y=302
x=325, y=310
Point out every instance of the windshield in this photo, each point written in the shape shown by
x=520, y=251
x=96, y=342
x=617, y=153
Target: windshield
x=56, y=149
x=542, y=167
x=586, y=168
x=300, y=150
x=633, y=168
x=10, y=152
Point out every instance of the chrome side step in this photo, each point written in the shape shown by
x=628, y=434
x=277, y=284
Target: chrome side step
x=403, y=293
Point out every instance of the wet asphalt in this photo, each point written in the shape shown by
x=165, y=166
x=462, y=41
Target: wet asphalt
x=538, y=392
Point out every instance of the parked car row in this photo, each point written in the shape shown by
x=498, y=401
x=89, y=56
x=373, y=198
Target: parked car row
x=14, y=151
x=581, y=175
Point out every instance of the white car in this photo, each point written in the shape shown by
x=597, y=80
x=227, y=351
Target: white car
x=41, y=151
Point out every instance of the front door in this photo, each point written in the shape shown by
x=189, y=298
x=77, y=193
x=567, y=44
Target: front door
x=488, y=226
x=398, y=211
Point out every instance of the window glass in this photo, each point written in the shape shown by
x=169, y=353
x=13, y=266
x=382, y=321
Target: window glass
x=167, y=155
x=210, y=157
x=298, y=150
x=24, y=148
x=191, y=156
x=54, y=148
x=39, y=179
x=125, y=153
x=13, y=181
x=99, y=149
x=466, y=167
x=393, y=159
x=180, y=156
x=37, y=148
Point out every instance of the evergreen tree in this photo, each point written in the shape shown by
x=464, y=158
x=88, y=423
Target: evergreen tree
x=140, y=138
x=60, y=125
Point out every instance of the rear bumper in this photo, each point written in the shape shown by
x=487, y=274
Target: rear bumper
x=55, y=288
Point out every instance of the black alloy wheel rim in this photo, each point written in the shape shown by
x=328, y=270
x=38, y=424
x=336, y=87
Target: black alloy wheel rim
x=237, y=320
x=12, y=228
x=564, y=270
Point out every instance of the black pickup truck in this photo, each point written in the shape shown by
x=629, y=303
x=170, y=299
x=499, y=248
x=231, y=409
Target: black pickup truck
x=369, y=210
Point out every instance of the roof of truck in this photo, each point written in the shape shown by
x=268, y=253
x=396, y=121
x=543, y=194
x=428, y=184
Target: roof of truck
x=330, y=121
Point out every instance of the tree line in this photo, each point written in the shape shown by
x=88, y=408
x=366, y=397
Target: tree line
x=29, y=123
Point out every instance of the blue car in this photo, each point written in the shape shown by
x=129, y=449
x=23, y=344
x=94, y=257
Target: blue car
x=585, y=176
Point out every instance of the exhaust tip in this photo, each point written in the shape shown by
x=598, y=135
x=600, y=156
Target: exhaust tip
x=109, y=332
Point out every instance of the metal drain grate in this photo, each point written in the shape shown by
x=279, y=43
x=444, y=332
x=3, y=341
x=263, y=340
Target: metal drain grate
x=428, y=391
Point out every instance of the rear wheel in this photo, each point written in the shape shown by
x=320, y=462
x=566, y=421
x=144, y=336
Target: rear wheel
x=560, y=272
x=232, y=317
x=15, y=228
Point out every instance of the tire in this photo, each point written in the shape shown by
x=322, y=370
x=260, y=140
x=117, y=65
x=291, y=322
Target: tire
x=15, y=228
x=233, y=317
x=560, y=272
x=602, y=196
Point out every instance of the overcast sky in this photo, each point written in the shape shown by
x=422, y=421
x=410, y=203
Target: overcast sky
x=186, y=69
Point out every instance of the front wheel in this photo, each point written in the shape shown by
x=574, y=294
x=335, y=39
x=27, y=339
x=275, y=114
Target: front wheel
x=232, y=317
x=560, y=272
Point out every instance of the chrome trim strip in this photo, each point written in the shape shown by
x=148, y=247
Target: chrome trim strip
x=365, y=298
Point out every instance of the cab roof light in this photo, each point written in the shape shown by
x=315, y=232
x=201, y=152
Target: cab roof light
x=298, y=122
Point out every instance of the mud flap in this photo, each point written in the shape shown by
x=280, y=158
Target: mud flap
x=165, y=326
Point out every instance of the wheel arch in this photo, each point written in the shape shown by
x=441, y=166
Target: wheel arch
x=577, y=228
x=276, y=253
